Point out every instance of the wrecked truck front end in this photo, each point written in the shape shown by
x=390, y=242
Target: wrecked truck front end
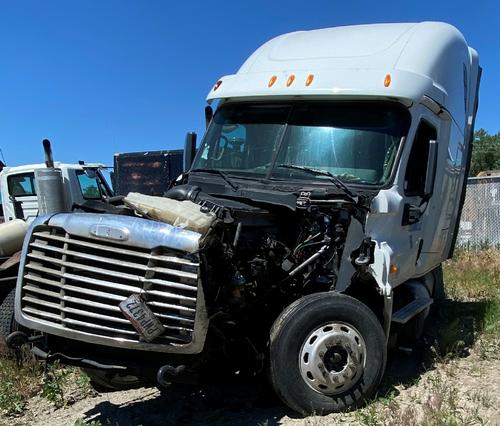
x=215, y=292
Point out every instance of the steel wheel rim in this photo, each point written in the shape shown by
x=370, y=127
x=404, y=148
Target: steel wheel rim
x=332, y=358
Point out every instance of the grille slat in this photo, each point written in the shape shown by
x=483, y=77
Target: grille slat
x=54, y=272
x=122, y=251
x=93, y=326
x=42, y=314
x=80, y=266
x=77, y=283
x=187, y=275
x=36, y=301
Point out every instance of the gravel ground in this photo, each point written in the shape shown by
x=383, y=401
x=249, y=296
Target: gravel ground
x=465, y=388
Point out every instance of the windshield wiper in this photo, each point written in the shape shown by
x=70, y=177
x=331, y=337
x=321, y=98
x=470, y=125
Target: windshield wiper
x=318, y=172
x=221, y=174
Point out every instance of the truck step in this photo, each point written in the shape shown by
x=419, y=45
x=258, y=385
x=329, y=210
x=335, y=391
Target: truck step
x=407, y=312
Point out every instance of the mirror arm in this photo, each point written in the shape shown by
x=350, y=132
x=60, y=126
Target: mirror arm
x=189, y=150
x=209, y=113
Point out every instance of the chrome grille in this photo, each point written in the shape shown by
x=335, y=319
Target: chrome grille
x=77, y=283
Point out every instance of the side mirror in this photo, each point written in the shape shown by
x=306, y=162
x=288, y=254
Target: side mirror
x=90, y=173
x=209, y=113
x=431, y=168
x=189, y=150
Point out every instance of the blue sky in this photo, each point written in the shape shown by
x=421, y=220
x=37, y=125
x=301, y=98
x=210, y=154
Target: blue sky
x=100, y=77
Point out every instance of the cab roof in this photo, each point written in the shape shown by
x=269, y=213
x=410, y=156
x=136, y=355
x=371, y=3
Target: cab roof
x=26, y=168
x=427, y=58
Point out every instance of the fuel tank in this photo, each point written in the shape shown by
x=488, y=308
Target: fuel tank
x=12, y=236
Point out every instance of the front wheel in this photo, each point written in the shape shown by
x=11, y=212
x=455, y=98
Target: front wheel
x=327, y=353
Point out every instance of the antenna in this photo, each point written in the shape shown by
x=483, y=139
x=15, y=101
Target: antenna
x=3, y=157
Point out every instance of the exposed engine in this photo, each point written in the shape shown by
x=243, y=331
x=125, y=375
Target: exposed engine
x=260, y=258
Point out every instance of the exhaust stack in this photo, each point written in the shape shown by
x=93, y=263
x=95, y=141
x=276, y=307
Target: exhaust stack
x=49, y=160
x=49, y=185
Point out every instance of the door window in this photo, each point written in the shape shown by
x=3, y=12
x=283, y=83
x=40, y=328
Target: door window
x=21, y=185
x=416, y=168
x=89, y=185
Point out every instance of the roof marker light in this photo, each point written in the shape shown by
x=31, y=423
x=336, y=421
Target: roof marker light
x=309, y=79
x=290, y=80
x=217, y=85
x=387, y=80
x=272, y=80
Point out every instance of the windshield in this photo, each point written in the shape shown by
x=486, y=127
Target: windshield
x=356, y=142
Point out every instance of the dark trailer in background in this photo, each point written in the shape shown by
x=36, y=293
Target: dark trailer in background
x=148, y=172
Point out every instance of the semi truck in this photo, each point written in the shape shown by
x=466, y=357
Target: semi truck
x=303, y=240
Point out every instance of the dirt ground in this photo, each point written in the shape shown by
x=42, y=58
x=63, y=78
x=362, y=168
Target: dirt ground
x=465, y=389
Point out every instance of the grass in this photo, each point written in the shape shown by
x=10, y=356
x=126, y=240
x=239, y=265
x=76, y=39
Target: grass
x=53, y=382
x=472, y=275
x=19, y=380
x=23, y=377
x=472, y=283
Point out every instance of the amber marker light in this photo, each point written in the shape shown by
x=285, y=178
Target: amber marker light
x=272, y=80
x=309, y=79
x=217, y=85
x=387, y=80
x=290, y=80
x=393, y=268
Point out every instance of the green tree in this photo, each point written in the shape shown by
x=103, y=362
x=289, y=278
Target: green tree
x=485, y=152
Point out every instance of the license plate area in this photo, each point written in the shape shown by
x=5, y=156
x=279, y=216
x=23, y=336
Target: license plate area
x=141, y=317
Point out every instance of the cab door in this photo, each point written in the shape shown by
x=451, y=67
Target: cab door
x=23, y=201
x=428, y=190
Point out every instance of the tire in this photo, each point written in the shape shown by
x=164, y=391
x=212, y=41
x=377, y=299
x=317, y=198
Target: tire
x=103, y=381
x=7, y=322
x=290, y=346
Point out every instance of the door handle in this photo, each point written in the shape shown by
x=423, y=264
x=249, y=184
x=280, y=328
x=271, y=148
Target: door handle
x=411, y=214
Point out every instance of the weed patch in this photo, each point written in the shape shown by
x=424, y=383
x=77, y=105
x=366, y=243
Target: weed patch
x=53, y=383
x=19, y=380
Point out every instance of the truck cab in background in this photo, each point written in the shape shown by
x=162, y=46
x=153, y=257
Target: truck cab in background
x=20, y=200
x=327, y=190
x=81, y=182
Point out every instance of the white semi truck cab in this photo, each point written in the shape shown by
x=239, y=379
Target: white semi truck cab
x=305, y=236
x=19, y=200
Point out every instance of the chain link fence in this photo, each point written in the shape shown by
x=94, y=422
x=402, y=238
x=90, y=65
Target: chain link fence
x=480, y=221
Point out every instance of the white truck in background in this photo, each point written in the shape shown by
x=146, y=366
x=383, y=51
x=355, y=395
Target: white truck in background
x=19, y=199
x=20, y=205
x=325, y=194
